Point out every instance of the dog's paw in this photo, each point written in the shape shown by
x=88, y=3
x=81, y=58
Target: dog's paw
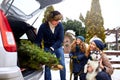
x=85, y=68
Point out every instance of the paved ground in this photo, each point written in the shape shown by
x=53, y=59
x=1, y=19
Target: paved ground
x=55, y=74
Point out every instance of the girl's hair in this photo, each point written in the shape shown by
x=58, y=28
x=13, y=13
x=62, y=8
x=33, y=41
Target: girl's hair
x=54, y=15
x=82, y=46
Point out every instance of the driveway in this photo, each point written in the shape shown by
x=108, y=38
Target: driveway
x=55, y=74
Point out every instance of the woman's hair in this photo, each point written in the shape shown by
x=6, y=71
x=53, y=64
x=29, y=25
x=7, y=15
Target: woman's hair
x=82, y=46
x=88, y=50
x=54, y=15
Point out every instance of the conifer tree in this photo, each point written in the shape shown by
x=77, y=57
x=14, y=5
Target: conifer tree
x=94, y=22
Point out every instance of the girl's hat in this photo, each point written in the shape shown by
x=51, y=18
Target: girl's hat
x=81, y=38
x=99, y=44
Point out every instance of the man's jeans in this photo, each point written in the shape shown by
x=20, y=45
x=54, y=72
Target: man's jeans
x=60, y=55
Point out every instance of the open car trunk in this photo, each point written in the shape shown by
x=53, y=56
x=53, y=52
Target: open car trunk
x=20, y=28
x=17, y=13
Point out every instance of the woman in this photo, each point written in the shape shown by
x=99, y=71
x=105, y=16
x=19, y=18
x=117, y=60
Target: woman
x=78, y=56
x=52, y=34
x=104, y=63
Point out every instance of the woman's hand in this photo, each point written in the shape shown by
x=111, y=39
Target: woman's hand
x=89, y=69
x=101, y=65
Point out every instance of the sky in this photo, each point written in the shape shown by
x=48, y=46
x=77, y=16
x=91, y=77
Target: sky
x=109, y=9
x=72, y=9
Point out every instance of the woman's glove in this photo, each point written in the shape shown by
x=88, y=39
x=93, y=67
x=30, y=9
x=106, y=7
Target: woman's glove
x=74, y=57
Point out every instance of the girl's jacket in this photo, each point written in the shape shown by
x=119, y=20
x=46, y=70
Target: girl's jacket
x=79, y=60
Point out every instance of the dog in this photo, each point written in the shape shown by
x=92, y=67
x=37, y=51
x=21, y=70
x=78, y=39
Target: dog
x=94, y=62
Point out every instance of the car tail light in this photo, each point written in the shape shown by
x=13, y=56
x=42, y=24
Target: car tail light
x=7, y=35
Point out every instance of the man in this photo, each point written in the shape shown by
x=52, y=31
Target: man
x=52, y=34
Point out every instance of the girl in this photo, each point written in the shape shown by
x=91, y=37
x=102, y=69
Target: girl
x=104, y=63
x=78, y=56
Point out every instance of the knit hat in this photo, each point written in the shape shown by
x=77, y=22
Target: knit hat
x=99, y=44
x=81, y=38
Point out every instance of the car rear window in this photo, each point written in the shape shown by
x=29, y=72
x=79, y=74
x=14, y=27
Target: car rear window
x=26, y=6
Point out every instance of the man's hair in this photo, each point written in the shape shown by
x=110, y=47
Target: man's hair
x=54, y=15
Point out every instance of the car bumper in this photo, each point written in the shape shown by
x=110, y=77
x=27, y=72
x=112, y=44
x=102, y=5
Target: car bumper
x=10, y=73
x=34, y=76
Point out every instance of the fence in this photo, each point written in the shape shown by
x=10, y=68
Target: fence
x=114, y=57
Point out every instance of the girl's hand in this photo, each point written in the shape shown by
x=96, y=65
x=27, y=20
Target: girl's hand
x=90, y=69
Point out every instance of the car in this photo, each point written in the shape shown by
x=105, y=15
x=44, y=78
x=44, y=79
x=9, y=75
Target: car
x=13, y=25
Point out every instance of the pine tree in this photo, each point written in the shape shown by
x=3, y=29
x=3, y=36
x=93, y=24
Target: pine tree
x=94, y=22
